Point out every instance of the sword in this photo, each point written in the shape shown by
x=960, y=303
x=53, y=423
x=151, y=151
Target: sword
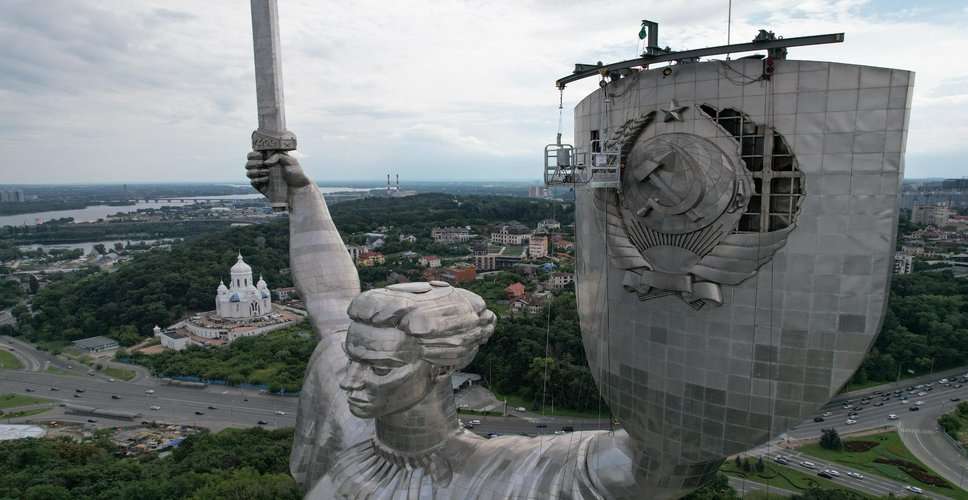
x=271, y=137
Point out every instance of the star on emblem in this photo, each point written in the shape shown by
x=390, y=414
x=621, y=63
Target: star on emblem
x=674, y=113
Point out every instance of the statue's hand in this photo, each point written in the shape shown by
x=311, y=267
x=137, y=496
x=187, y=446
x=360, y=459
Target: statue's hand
x=257, y=169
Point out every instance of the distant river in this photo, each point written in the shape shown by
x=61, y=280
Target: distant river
x=94, y=212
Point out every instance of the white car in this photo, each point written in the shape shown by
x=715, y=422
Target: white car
x=475, y=422
x=808, y=465
x=905, y=401
x=156, y=408
x=919, y=403
x=110, y=380
x=559, y=432
x=851, y=421
x=914, y=489
x=833, y=473
x=892, y=417
x=943, y=381
x=149, y=391
x=827, y=414
x=922, y=394
x=279, y=412
x=855, y=475
x=520, y=408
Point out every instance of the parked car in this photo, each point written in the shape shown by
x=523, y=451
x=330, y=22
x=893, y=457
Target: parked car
x=473, y=422
x=818, y=419
x=520, y=408
x=568, y=428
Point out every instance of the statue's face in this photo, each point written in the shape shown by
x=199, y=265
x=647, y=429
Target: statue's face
x=386, y=374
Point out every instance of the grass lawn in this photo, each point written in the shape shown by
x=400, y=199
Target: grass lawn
x=9, y=362
x=865, y=385
x=25, y=413
x=784, y=477
x=890, y=447
x=118, y=373
x=15, y=400
x=515, y=401
x=761, y=495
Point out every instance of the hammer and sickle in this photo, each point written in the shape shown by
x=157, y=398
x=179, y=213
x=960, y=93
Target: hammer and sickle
x=675, y=204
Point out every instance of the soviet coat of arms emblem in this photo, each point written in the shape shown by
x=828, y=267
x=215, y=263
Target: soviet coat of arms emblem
x=683, y=198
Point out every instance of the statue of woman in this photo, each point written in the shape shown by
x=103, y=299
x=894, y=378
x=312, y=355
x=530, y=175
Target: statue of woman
x=377, y=418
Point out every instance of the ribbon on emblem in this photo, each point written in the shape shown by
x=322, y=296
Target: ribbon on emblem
x=654, y=284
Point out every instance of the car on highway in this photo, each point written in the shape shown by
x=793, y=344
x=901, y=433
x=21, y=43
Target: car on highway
x=149, y=391
x=918, y=403
x=818, y=419
x=210, y=407
x=892, y=417
x=833, y=472
x=156, y=407
x=955, y=399
x=825, y=474
x=780, y=459
x=905, y=401
x=92, y=420
x=914, y=489
x=559, y=432
x=943, y=381
x=826, y=414
x=54, y=389
x=263, y=422
x=568, y=428
x=198, y=413
x=115, y=396
x=922, y=394
x=493, y=435
x=808, y=465
x=851, y=421
x=855, y=475
x=879, y=403
x=111, y=380
x=29, y=389
x=541, y=425
x=914, y=408
x=78, y=390
x=473, y=422
x=77, y=395
x=279, y=412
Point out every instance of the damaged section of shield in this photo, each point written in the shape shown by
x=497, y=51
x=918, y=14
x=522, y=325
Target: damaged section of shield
x=735, y=279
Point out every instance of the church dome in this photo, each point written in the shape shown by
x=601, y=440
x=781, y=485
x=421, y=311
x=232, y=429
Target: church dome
x=261, y=284
x=222, y=288
x=241, y=267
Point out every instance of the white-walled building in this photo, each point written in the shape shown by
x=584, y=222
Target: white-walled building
x=903, y=264
x=243, y=298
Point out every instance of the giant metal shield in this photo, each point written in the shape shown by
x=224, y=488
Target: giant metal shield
x=736, y=279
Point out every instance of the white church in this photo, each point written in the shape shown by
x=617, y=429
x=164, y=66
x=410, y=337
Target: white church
x=243, y=298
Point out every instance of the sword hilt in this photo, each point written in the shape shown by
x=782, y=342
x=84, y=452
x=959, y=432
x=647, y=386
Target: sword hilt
x=269, y=143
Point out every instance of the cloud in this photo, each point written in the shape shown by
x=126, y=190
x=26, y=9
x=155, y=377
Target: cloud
x=163, y=90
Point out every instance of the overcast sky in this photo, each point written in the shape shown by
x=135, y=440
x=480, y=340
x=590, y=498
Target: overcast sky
x=126, y=91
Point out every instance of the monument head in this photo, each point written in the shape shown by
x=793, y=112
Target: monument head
x=405, y=339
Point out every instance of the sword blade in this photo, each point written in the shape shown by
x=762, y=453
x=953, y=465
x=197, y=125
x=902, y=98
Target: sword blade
x=268, y=66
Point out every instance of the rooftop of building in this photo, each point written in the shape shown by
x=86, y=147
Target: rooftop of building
x=94, y=342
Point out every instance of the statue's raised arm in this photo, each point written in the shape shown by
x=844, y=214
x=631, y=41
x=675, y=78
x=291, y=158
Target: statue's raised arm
x=327, y=282
x=321, y=267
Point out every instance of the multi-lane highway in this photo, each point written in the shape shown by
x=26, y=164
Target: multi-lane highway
x=176, y=405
